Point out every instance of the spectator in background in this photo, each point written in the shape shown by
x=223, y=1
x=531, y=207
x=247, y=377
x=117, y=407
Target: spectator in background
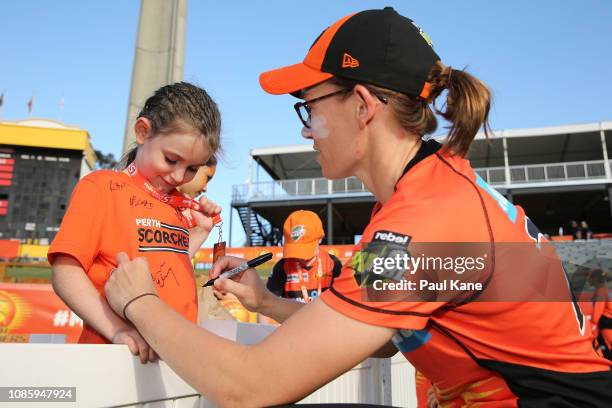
x=584, y=232
x=574, y=230
x=305, y=270
x=200, y=181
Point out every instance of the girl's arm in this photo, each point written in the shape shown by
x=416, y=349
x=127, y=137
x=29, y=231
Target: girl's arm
x=310, y=349
x=197, y=236
x=199, y=233
x=76, y=290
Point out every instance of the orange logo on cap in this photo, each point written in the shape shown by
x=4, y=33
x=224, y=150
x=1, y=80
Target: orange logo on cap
x=349, y=62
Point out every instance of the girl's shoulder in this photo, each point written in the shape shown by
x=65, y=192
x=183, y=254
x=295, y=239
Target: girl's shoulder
x=102, y=176
x=103, y=182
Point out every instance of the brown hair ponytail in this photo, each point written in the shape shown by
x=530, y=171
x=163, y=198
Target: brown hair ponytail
x=467, y=105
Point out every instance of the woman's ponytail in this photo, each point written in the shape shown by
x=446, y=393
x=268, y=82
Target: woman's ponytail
x=467, y=106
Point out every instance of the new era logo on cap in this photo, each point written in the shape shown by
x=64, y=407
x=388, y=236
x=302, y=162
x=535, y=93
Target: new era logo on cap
x=349, y=62
x=394, y=53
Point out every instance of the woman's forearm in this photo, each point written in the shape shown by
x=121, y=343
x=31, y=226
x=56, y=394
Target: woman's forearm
x=212, y=365
x=278, y=308
x=235, y=375
x=264, y=374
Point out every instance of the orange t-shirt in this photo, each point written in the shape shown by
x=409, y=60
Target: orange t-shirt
x=285, y=279
x=496, y=353
x=109, y=213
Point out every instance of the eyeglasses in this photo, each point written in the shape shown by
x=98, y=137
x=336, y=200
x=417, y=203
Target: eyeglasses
x=303, y=108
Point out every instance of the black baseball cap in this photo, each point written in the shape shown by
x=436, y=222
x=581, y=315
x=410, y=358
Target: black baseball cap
x=378, y=47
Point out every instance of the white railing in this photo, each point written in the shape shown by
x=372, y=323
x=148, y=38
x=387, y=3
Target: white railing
x=543, y=173
x=297, y=188
x=311, y=187
x=109, y=376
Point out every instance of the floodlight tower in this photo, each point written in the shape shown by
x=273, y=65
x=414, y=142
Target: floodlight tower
x=159, y=54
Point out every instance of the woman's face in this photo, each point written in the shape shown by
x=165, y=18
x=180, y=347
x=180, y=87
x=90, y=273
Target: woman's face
x=333, y=131
x=169, y=160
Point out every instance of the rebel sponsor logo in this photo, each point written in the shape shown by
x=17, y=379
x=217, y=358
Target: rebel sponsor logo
x=156, y=236
x=392, y=237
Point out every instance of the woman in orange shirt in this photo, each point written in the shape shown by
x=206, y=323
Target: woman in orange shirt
x=368, y=85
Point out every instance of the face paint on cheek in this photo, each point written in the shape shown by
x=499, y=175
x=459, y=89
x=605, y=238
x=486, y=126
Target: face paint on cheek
x=317, y=127
x=306, y=133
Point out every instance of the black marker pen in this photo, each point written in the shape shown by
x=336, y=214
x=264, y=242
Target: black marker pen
x=241, y=268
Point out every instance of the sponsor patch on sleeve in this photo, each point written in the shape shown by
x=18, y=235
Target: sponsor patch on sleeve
x=384, y=247
x=391, y=237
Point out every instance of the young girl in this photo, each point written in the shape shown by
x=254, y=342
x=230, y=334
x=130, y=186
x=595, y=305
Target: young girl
x=139, y=211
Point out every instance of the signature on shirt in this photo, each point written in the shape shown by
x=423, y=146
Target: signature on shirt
x=163, y=273
x=136, y=202
x=116, y=185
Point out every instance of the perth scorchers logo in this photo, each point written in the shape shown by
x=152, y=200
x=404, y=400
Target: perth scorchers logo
x=156, y=236
x=14, y=311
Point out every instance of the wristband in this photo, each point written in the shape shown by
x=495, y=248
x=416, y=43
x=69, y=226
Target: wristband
x=136, y=298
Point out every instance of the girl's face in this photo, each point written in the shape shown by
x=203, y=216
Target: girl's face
x=332, y=131
x=169, y=160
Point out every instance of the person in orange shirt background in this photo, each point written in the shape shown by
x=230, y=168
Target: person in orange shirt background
x=139, y=211
x=199, y=183
x=306, y=270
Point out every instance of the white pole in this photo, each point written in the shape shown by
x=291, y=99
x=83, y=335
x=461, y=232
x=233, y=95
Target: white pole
x=2, y=103
x=61, y=109
x=605, y=151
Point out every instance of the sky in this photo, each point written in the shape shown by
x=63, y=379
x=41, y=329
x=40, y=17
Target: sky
x=548, y=63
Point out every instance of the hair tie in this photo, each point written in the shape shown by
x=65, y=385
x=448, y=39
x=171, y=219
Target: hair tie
x=425, y=95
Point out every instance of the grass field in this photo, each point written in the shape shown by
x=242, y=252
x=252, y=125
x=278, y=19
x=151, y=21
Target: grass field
x=27, y=273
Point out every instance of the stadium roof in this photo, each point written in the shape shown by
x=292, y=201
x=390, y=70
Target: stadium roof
x=49, y=134
x=288, y=162
x=550, y=130
x=525, y=146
